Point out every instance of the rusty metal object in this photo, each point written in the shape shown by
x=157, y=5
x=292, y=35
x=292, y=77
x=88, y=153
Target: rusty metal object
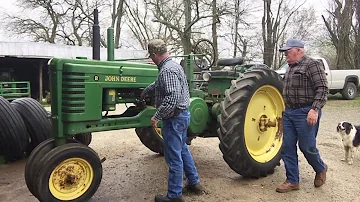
x=279, y=132
x=265, y=123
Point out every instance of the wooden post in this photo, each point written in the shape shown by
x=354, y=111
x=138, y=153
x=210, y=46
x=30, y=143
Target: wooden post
x=41, y=81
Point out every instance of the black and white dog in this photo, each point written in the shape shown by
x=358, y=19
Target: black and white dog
x=350, y=135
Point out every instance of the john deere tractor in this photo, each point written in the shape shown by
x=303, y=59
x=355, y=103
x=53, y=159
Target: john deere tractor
x=243, y=110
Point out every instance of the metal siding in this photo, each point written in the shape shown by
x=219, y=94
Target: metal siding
x=43, y=50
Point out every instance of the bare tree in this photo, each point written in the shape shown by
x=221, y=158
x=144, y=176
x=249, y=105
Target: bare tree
x=240, y=42
x=339, y=26
x=357, y=35
x=273, y=26
x=76, y=29
x=43, y=29
x=181, y=17
x=116, y=19
x=301, y=26
x=142, y=29
x=59, y=21
x=215, y=21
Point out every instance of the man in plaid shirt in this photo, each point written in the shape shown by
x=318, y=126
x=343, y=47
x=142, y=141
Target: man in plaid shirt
x=172, y=100
x=305, y=93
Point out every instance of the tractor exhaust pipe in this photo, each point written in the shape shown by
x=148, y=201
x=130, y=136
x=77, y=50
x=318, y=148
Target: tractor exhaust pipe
x=96, y=36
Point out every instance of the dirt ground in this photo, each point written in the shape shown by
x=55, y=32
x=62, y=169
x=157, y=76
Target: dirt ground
x=134, y=173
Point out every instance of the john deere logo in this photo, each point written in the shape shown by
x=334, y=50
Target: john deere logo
x=96, y=78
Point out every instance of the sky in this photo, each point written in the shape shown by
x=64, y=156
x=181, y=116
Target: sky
x=10, y=6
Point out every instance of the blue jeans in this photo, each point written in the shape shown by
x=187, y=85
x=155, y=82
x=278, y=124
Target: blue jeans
x=177, y=154
x=297, y=129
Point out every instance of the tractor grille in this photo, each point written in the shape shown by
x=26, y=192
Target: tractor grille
x=73, y=92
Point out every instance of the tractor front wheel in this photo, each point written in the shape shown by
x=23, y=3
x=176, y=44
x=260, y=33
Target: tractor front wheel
x=70, y=172
x=250, y=121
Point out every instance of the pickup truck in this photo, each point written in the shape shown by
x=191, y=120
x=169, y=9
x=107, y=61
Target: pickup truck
x=345, y=82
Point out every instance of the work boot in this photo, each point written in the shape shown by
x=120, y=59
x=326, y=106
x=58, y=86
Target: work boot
x=164, y=198
x=197, y=189
x=320, y=178
x=286, y=187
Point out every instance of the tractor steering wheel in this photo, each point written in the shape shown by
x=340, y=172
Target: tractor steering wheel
x=206, y=51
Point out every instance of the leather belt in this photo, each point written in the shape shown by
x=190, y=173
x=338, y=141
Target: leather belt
x=175, y=113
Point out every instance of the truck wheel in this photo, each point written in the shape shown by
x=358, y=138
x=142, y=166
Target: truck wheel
x=14, y=139
x=36, y=120
x=250, y=122
x=84, y=138
x=349, y=92
x=70, y=172
x=151, y=137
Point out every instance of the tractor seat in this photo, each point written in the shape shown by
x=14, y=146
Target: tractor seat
x=230, y=61
x=196, y=68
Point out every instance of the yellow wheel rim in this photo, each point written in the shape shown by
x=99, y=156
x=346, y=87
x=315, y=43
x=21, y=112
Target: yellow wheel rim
x=71, y=179
x=263, y=124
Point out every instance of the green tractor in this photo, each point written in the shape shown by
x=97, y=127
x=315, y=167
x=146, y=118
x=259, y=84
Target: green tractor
x=243, y=110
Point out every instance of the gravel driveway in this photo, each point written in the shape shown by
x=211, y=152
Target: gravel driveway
x=133, y=173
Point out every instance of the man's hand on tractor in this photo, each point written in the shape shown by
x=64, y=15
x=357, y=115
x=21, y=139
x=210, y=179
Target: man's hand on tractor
x=154, y=122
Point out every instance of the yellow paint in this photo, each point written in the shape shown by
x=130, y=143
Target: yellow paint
x=112, y=78
x=129, y=79
x=112, y=92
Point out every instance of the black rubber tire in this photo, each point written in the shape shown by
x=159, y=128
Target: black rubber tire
x=32, y=163
x=14, y=139
x=84, y=138
x=59, y=154
x=232, y=120
x=151, y=139
x=346, y=92
x=36, y=120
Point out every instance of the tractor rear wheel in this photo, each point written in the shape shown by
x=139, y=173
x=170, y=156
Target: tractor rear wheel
x=151, y=137
x=250, y=122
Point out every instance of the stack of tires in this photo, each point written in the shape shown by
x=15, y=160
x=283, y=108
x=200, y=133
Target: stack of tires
x=24, y=124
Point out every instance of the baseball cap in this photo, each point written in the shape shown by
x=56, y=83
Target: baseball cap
x=157, y=46
x=291, y=43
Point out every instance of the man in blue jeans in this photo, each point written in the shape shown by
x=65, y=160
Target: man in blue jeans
x=305, y=93
x=172, y=100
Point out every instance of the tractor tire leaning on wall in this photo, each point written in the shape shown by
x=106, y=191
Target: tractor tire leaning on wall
x=14, y=138
x=36, y=119
x=250, y=131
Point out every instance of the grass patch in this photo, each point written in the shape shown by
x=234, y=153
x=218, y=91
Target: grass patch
x=2, y=160
x=337, y=101
x=338, y=96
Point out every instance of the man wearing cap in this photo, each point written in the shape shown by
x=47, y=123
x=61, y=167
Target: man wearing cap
x=305, y=93
x=172, y=100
